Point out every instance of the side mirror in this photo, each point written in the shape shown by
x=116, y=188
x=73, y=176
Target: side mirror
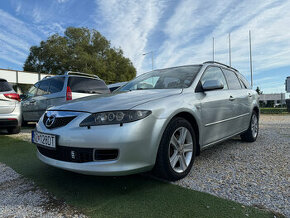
x=212, y=85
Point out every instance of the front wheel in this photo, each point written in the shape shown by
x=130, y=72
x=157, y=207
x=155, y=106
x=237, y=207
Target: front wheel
x=176, y=151
x=252, y=132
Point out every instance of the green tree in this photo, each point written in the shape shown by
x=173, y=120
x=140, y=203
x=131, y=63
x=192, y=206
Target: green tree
x=82, y=50
x=258, y=90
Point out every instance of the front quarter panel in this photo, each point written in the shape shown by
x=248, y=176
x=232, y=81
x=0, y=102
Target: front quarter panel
x=167, y=108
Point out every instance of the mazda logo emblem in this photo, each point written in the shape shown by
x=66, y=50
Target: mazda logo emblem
x=50, y=121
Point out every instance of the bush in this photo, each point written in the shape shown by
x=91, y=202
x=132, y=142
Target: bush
x=273, y=110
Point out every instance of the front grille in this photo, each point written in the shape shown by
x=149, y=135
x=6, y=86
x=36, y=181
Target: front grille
x=68, y=154
x=59, y=121
x=78, y=155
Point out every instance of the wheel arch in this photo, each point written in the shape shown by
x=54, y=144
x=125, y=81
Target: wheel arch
x=192, y=120
x=257, y=110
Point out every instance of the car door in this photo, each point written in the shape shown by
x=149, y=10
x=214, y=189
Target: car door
x=216, y=108
x=240, y=100
x=28, y=104
x=57, y=92
x=42, y=94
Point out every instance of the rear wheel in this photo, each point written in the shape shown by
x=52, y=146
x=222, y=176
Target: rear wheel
x=252, y=132
x=13, y=130
x=176, y=151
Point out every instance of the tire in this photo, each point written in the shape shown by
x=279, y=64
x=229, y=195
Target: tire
x=252, y=132
x=24, y=123
x=14, y=130
x=181, y=156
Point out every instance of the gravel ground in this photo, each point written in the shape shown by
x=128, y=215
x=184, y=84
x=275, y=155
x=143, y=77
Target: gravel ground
x=250, y=173
x=24, y=199
x=25, y=134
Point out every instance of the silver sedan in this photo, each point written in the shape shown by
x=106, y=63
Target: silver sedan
x=159, y=121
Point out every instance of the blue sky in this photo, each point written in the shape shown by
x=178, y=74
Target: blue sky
x=179, y=32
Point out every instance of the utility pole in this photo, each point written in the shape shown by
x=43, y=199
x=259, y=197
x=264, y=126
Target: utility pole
x=251, y=63
x=230, y=52
x=152, y=57
x=212, y=48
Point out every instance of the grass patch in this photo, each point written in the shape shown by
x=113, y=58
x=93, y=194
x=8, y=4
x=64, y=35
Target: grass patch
x=129, y=196
x=273, y=110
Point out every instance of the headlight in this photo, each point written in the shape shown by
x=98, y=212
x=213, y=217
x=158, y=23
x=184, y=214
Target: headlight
x=114, y=117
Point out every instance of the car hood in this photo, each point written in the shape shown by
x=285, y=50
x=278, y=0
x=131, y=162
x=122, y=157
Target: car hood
x=116, y=101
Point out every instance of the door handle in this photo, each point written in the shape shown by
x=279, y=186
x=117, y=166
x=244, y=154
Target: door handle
x=32, y=101
x=250, y=95
x=231, y=98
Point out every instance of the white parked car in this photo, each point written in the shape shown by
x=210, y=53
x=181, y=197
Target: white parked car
x=10, y=108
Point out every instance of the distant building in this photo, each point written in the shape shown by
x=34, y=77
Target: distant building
x=276, y=98
x=21, y=77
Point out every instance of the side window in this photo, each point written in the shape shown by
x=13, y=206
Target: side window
x=214, y=73
x=32, y=91
x=232, y=79
x=245, y=83
x=87, y=85
x=56, y=84
x=43, y=87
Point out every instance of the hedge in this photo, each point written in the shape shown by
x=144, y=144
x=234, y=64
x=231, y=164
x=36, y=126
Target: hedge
x=273, y=110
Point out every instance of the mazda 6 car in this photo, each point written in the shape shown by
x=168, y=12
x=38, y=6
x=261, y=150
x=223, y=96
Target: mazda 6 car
x=157, y=122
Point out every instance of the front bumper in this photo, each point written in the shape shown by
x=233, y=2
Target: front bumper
x=100, y=168
x=137, y=143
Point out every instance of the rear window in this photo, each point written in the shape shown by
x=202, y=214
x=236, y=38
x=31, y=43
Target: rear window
x=87, y=85
x=5, y=86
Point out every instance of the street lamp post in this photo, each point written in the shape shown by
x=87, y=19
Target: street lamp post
x=152, y=57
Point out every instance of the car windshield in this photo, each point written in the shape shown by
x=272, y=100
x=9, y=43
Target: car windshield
x=171, y=78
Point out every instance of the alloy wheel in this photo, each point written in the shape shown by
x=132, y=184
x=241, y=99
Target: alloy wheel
x=254, y=125
x=180, y=149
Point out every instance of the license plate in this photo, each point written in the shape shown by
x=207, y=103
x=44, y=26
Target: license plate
x=44, y=139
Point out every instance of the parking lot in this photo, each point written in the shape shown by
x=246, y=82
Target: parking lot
x=254, y=174
x=250, y=173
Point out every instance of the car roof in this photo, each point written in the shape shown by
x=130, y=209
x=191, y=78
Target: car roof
x=220, y=65
x=189, y=65
x=72, y=75
x=204, y=63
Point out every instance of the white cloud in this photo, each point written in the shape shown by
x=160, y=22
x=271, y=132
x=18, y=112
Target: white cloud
x=191, y=28
x=18, y=7
x=15, y=38
x=128, y=24
x=62, y=1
